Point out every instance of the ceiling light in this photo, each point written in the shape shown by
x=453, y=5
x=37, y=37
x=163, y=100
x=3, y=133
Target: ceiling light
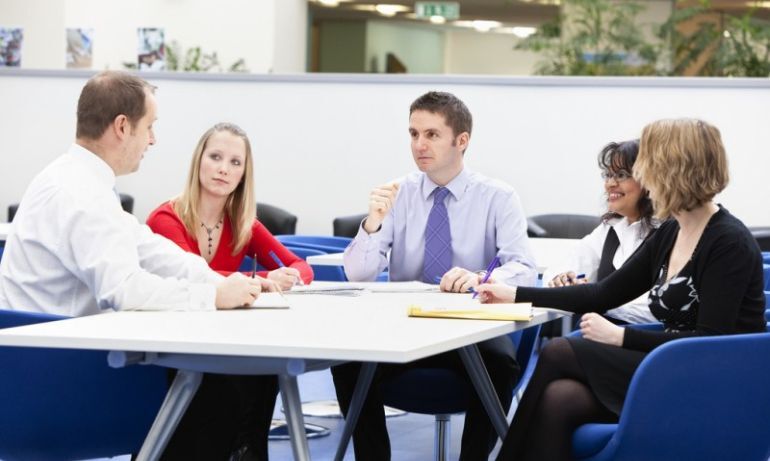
x=437, y=19
x=330, y=3
x=485, y=26
x=387, y=9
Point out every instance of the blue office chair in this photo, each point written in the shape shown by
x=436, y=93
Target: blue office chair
x=766, y=257
x=320, y=242
x=692, y=398
x=767, y=306
x=766, y=272
x=69, y=404
x=441, y=392
x=323, y=273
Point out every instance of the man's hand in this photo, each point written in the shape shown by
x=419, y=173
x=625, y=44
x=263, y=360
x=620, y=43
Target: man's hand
x=566, y=279
x=459, y=280
x=237, y=290
x=596, y=328
x=381, y=201
x=284, y=277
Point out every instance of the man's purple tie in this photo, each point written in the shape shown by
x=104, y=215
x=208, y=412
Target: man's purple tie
x=438, y=239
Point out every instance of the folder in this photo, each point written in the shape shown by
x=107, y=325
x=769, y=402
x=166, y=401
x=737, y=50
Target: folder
x=509, y=312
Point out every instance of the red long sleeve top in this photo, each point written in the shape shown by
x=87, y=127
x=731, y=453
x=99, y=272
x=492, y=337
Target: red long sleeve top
x=164, y=221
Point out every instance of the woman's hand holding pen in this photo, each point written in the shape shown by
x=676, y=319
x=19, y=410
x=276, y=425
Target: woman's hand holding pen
x=381, y=201
x=285, y=277
x=237, y=290
x=490, y=293
x=566, y=279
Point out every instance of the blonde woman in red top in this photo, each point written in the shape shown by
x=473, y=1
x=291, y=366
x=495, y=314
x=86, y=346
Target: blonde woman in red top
x=215, y=217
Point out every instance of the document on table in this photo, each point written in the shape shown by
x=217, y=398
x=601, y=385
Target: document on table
x=270, y=300
x=356, y=288
x=464, y=307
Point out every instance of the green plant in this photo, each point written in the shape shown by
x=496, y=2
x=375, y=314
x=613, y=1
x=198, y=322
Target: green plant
x=745, y=50
x=596, y=37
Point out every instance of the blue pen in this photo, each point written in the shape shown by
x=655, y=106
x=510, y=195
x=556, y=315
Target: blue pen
x=492, y=265
x=281, y=264
x=580, y=276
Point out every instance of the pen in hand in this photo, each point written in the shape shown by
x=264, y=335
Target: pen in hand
x=254, y=267
x=492, y=265
x=281, y=264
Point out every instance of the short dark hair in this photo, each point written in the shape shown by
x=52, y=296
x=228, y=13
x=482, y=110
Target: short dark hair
x=617, y=156
x=456, y=114
x=107, y=95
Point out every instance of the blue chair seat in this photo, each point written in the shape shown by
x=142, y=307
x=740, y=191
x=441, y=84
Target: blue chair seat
x=69, y=404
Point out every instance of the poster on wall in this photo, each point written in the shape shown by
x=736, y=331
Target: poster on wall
x=152, y=50
x=10, y=46
x=80, y=48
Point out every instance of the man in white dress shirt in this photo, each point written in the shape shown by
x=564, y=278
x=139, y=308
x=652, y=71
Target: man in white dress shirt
x=442, y=225
x=73, y=251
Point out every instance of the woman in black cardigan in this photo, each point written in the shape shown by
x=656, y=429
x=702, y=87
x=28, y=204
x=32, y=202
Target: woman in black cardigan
x=703, y=271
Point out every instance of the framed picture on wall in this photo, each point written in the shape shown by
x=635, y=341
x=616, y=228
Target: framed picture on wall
x=10, y=46
x=80, y=48
x=151, y=48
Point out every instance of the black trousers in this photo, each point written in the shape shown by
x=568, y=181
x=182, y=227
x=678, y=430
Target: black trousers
x=370, y=436
x=227, y=412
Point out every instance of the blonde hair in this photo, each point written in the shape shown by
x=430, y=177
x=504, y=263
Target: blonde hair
x=240, y=207
x=683, y=162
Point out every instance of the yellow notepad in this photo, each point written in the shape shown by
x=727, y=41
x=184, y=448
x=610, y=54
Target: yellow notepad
x=509, y=312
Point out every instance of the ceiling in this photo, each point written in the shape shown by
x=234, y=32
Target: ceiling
x=509, y=12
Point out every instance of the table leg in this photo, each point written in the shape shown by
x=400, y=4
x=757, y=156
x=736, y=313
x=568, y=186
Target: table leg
x=179, y=396
x=479, y=376
x=365, y=377
x=294, y=419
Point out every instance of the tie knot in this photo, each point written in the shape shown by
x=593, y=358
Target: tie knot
x=439, y=194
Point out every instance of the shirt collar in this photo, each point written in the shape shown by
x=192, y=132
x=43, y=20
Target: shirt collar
x=456, y=186
x=101, y=171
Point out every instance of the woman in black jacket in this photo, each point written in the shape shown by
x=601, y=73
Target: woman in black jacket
x=703, y=271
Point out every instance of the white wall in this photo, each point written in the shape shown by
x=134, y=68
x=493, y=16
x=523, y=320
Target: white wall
x=44, y=43
x=322, y=142
x=472, y=52
x=251, y=33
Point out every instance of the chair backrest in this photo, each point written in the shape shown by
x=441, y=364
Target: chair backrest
x=564, y=226
x=323, y=243
x=347, y=226
x=276, y=220
x=321, y=273
x=699, y=398
x=762, y=235
x=69, y=404
x=127, y=203
x=766, y=274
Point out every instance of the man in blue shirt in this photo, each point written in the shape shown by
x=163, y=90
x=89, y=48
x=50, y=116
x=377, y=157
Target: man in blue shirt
x=441, y=225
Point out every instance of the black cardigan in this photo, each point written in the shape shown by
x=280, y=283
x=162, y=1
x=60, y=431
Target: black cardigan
x=726, y=271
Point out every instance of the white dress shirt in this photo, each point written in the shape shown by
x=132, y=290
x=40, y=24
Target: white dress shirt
x=585, y=260
x=485, y=220
x=73, y=251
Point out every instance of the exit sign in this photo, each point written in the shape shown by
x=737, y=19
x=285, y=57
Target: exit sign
x=448, y=10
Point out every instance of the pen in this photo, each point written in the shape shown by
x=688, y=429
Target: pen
x=254, y=268
x=281, y=264
x=492, y=265
x=580, y=276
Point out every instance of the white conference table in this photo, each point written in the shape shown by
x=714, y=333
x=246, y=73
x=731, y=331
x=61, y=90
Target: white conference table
x=547, y=252
x=318, y=331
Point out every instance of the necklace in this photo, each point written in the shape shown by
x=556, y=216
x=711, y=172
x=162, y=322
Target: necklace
x=210, y=231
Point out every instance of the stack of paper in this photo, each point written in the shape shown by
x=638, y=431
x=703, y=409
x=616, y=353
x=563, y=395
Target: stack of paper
x=270, y=300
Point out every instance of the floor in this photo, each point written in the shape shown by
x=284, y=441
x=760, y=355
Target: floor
x=411, y=435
